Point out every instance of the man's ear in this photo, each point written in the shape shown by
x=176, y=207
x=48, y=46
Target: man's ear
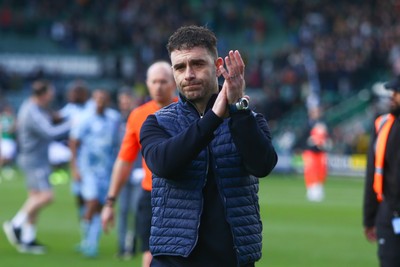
x=219, y=62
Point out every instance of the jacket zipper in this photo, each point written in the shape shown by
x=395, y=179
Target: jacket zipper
x=219, y=191
x=205, y=181
x=218, y=181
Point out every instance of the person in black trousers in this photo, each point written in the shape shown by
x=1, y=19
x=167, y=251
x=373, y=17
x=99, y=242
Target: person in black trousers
x=382, y=188
x=206, y=152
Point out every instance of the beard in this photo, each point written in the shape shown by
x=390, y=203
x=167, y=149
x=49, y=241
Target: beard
x=202, y=93
x=395, y=111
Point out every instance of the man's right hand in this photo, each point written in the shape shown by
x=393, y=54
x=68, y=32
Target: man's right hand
x=370, y=233
x=107, y=218
x=220, y=105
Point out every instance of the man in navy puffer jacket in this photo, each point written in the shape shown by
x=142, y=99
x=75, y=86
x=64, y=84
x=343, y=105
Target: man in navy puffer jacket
x=206, y=152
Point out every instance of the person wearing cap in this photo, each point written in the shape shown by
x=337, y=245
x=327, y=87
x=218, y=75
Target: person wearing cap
x=381, y=207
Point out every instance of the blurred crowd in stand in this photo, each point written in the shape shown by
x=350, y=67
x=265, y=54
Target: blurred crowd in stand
x=353, y=43
x=350, y=39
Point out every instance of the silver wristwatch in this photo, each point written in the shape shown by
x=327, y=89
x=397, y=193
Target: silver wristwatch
x=241, y=104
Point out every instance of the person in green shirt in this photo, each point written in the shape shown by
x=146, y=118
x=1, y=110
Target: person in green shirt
x=8, y=147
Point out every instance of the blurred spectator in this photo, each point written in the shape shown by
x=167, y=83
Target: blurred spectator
x=350, y=41
x=8, y=145
x=129, y=195
x=97, y=150
x=315, y=156
x=35, y=131
x=161, y=86
x=77, y=104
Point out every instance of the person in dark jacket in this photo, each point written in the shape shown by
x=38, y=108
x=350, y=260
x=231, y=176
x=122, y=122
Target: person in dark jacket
x=382, y=188
x=206, y=153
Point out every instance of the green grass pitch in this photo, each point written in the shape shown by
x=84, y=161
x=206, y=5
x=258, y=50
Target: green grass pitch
x=296, y=232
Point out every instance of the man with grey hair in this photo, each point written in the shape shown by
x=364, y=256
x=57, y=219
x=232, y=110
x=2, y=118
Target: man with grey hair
x=161, y=85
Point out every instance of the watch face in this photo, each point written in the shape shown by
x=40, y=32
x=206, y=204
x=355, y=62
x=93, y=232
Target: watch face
x=241, y=104
x=245, y=103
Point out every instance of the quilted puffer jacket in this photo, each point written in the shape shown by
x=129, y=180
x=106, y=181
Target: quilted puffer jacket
x=177, y=203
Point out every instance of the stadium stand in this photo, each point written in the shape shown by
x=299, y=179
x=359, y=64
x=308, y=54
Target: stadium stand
x=352, y=43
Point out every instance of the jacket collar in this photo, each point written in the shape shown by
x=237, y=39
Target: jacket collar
x=189, y=104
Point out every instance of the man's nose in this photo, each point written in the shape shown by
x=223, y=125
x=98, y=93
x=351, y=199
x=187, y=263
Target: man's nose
x=189, y=74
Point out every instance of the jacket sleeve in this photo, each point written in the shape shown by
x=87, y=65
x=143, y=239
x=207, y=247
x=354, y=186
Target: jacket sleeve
x=164, y=154
x=44, y=128
x=251, y=135
x=370, y=205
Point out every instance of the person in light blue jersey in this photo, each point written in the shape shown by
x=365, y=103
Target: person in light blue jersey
x=77, y=96
x=97, y=139
x=35, y=131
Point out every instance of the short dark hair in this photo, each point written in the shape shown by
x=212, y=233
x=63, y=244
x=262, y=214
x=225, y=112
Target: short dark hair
x=125, y=90
x=188, y=37
x=78, y=91
x=40, y=87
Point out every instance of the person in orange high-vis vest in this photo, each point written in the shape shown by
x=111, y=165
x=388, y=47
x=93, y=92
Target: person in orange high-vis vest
x=381, y=207
x=161, y=85
x=315, y=157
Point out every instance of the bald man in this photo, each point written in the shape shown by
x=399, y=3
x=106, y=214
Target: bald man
x=161, y=85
